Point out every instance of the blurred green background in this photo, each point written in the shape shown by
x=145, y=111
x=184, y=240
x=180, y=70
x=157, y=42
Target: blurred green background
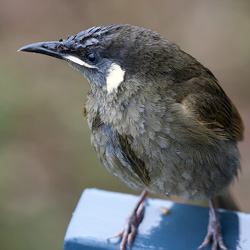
x=46, y=159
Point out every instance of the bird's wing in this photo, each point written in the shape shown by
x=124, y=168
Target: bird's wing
x=129, y=155
x=212, y=108
x=117, y=154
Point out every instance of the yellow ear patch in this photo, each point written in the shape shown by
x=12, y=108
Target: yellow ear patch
x=115, y=77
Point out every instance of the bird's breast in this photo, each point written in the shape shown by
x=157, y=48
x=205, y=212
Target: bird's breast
x=153, y=143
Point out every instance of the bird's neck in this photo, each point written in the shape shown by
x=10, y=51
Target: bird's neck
x=116, y=111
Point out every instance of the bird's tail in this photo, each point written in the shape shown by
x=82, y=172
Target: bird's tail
x=226, y=201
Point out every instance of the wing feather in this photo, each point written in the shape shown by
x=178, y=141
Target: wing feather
x=213, y=109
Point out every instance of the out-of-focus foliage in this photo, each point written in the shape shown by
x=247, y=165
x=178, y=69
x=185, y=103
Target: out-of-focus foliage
x=46, y=159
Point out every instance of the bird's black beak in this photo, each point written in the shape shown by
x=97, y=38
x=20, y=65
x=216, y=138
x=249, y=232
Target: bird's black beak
x=54, y=49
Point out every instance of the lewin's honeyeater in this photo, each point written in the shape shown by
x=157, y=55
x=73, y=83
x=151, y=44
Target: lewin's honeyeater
x=159, y=119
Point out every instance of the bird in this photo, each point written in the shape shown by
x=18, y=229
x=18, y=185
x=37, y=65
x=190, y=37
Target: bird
x=159, y=119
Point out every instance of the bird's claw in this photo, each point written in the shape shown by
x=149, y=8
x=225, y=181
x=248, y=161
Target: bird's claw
x=216, y=239
x=132, y=223
x=130, y=229
x=213, y=232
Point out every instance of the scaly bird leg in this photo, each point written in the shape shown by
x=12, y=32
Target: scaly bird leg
x=213, y=230
x=132, y=223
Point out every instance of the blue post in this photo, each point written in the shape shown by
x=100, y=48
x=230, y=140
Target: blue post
x=100, y=215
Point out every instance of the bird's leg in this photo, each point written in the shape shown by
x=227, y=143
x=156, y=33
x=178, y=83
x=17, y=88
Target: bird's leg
x=213, y=230
x=132, y=223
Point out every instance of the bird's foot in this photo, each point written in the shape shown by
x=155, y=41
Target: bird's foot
x=214, y=231
x=132, y=223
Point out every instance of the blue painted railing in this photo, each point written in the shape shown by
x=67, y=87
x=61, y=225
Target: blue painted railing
x=101, y=214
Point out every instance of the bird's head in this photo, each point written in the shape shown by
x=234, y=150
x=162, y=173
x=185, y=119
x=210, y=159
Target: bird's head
x=111, y=56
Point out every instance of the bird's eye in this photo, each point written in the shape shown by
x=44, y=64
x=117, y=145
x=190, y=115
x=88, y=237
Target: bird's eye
x=92, y=58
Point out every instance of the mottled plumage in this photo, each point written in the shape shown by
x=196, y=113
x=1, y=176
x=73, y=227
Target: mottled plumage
x=175, y=119
x=159, y=119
